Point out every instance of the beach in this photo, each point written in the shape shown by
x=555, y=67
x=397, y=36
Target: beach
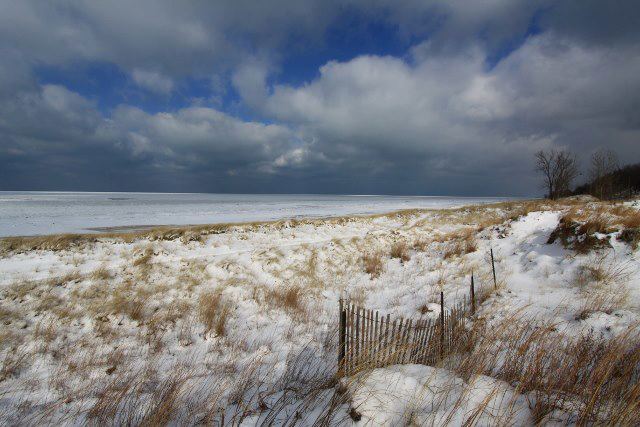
x=221, y=319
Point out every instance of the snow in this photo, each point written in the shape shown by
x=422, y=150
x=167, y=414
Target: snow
x=35, y=213
x=246, y=264
x=423, y=395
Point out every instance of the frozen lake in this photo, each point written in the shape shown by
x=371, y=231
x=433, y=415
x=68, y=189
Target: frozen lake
x=35, y=213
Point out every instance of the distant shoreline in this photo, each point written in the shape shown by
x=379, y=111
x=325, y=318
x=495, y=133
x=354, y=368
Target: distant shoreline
x=47, y=214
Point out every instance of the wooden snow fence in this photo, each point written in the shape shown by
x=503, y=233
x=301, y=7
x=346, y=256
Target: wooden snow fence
x=368, y=340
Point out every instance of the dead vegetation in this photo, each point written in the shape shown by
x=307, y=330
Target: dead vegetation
x=603, y=282
x=588, y=227
x=400, y=250
x=288, y=298
x=101, y=273
x=581, y=380
x=373, y=264
x=459, y=243
x=578, y=231
x=213, y=312
x=630, y=236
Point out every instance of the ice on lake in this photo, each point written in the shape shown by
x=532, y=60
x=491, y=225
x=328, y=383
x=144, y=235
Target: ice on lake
x=36, y=213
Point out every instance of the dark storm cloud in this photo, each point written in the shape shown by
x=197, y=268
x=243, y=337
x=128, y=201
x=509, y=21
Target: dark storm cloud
x=441, y=119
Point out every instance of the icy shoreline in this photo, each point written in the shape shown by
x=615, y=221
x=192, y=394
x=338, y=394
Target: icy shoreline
x=36, y=213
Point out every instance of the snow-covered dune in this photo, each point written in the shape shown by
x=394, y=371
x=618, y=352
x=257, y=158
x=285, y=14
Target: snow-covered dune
x=239, y=322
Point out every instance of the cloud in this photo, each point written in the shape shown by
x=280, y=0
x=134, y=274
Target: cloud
x=484, y=85
x=55, y=138
x=449, y=116
x=250, y=79
x=152, y=81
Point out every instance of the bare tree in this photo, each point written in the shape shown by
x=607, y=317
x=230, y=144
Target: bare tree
x=604, y=163
x=559, y=169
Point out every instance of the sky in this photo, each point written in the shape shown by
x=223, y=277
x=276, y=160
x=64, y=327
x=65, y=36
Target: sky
x=424, y=97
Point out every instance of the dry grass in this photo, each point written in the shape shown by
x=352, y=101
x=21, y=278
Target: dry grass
x=128, y=300
x=56, y=242
x=400, y=250
x=630, y=236
x=288, y=298
x=144, y=258
x=373, y=264
x=213, y=312
x=580, y=236
x=459, y=243
x=421, y=244
x=602, y=301
x=593, y=381
x=603, y=281
x=13, y=361
x=101, y=273
x=578, y=227
x=604, y=269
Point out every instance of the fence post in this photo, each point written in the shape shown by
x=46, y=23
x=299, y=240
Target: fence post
x=441, y=324
x=473, y=296
x=493, y=268
x=342, y=332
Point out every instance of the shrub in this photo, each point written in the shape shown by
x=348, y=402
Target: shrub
x=580, y=236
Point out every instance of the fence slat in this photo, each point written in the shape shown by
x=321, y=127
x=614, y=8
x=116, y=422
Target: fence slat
x=386, y=340
x=416, y=340
x=406, y=343
x=365, y=324
x=376, y=341
x=420, y=349
x=370, y=335
x=392, y=342
x=342, y=329
x=400, y=340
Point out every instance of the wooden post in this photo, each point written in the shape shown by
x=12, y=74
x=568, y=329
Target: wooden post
x=441, y=324
x=493, y=268
x=473, y=296
x=342, y=334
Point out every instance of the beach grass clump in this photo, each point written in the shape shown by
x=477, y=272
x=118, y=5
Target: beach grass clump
x=213, y=312
x=288, y=298
x=459, y=243
x=101, y=273
x=400, y=250
x=373, y=264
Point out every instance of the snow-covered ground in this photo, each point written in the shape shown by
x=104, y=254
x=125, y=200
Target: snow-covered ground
x=240, y=322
